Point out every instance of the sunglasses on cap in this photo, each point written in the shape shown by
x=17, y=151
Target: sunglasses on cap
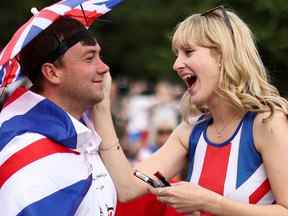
x=223, y=14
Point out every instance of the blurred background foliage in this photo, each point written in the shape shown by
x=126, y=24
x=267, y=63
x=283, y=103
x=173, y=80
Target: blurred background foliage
x=135, y=37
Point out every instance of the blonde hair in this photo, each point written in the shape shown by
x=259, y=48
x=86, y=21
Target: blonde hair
x=243, y=77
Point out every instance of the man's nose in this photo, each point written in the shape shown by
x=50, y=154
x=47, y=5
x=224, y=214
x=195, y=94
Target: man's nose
x=101, y=66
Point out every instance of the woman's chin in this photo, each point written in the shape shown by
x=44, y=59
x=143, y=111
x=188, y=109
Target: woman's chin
x=197, y=100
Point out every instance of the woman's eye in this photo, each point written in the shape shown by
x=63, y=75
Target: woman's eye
x=189, y=51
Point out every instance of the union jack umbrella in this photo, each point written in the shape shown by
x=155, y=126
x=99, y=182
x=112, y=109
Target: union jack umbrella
x=86, y=11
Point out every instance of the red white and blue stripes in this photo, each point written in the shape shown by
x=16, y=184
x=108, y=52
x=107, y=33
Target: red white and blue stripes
x=47, y=173
x=87, y=13
x=233, y=168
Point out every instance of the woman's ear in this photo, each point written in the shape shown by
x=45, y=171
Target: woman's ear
x=220, y=61
x=51, y=73
x=217, y=55
x=220, y=58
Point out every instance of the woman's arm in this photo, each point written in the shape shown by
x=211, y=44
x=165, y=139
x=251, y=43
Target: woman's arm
x=169, y=160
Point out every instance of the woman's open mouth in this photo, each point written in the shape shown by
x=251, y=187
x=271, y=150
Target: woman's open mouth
x=190, y=80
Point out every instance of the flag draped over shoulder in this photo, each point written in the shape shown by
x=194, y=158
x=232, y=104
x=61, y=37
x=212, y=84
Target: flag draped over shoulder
x=86, y=11
x=41, y=171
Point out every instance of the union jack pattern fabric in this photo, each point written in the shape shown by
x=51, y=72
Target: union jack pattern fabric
x=86, y=11
x=49, y=161
x=234, y=168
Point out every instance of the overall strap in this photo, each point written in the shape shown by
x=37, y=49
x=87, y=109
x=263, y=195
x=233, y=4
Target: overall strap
x=249, y=158
x=197, y=130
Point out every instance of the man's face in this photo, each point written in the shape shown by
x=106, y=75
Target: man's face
x=82, y=74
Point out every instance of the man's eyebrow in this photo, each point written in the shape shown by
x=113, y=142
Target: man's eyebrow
x=90, y=51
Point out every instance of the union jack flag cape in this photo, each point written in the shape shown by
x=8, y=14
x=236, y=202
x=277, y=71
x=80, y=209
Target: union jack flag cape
x=86, y=11
x=43, y=170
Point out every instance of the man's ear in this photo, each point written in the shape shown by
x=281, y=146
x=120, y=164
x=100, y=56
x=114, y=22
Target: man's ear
x=51, y=73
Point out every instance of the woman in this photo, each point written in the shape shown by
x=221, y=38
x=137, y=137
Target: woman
x=234, y=134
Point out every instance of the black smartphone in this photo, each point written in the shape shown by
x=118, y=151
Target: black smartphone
x=162, y=179
x=151, y=181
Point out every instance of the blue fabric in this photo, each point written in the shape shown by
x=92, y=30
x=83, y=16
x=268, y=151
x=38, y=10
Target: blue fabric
x=249, y=159
x=199, y=127
x=72, y=3
x=1, y=73
x=110, y=4
x=64, y=202
x=45, y=118
x=33, y=32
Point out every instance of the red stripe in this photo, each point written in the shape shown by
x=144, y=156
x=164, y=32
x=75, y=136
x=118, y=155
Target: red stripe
x=260, y=192
x=48, y=14
x=91, y=16
x=15, y=95
x=215, y=168
x=29, y=154
x=11, y=71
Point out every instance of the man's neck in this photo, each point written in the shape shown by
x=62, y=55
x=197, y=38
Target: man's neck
x=74, y=108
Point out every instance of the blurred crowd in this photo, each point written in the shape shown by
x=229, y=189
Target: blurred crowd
x=144, y=114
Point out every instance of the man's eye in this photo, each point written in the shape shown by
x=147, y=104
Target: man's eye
x=90, y=58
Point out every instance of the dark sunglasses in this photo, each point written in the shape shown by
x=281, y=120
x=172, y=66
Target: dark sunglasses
x=225, y=17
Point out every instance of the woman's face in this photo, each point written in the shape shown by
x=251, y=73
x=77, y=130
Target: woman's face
x=199, y=67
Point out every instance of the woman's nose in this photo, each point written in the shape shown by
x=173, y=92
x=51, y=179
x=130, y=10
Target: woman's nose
x=178, y=64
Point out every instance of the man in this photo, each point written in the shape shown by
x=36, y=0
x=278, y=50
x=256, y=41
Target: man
x=49, y=161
